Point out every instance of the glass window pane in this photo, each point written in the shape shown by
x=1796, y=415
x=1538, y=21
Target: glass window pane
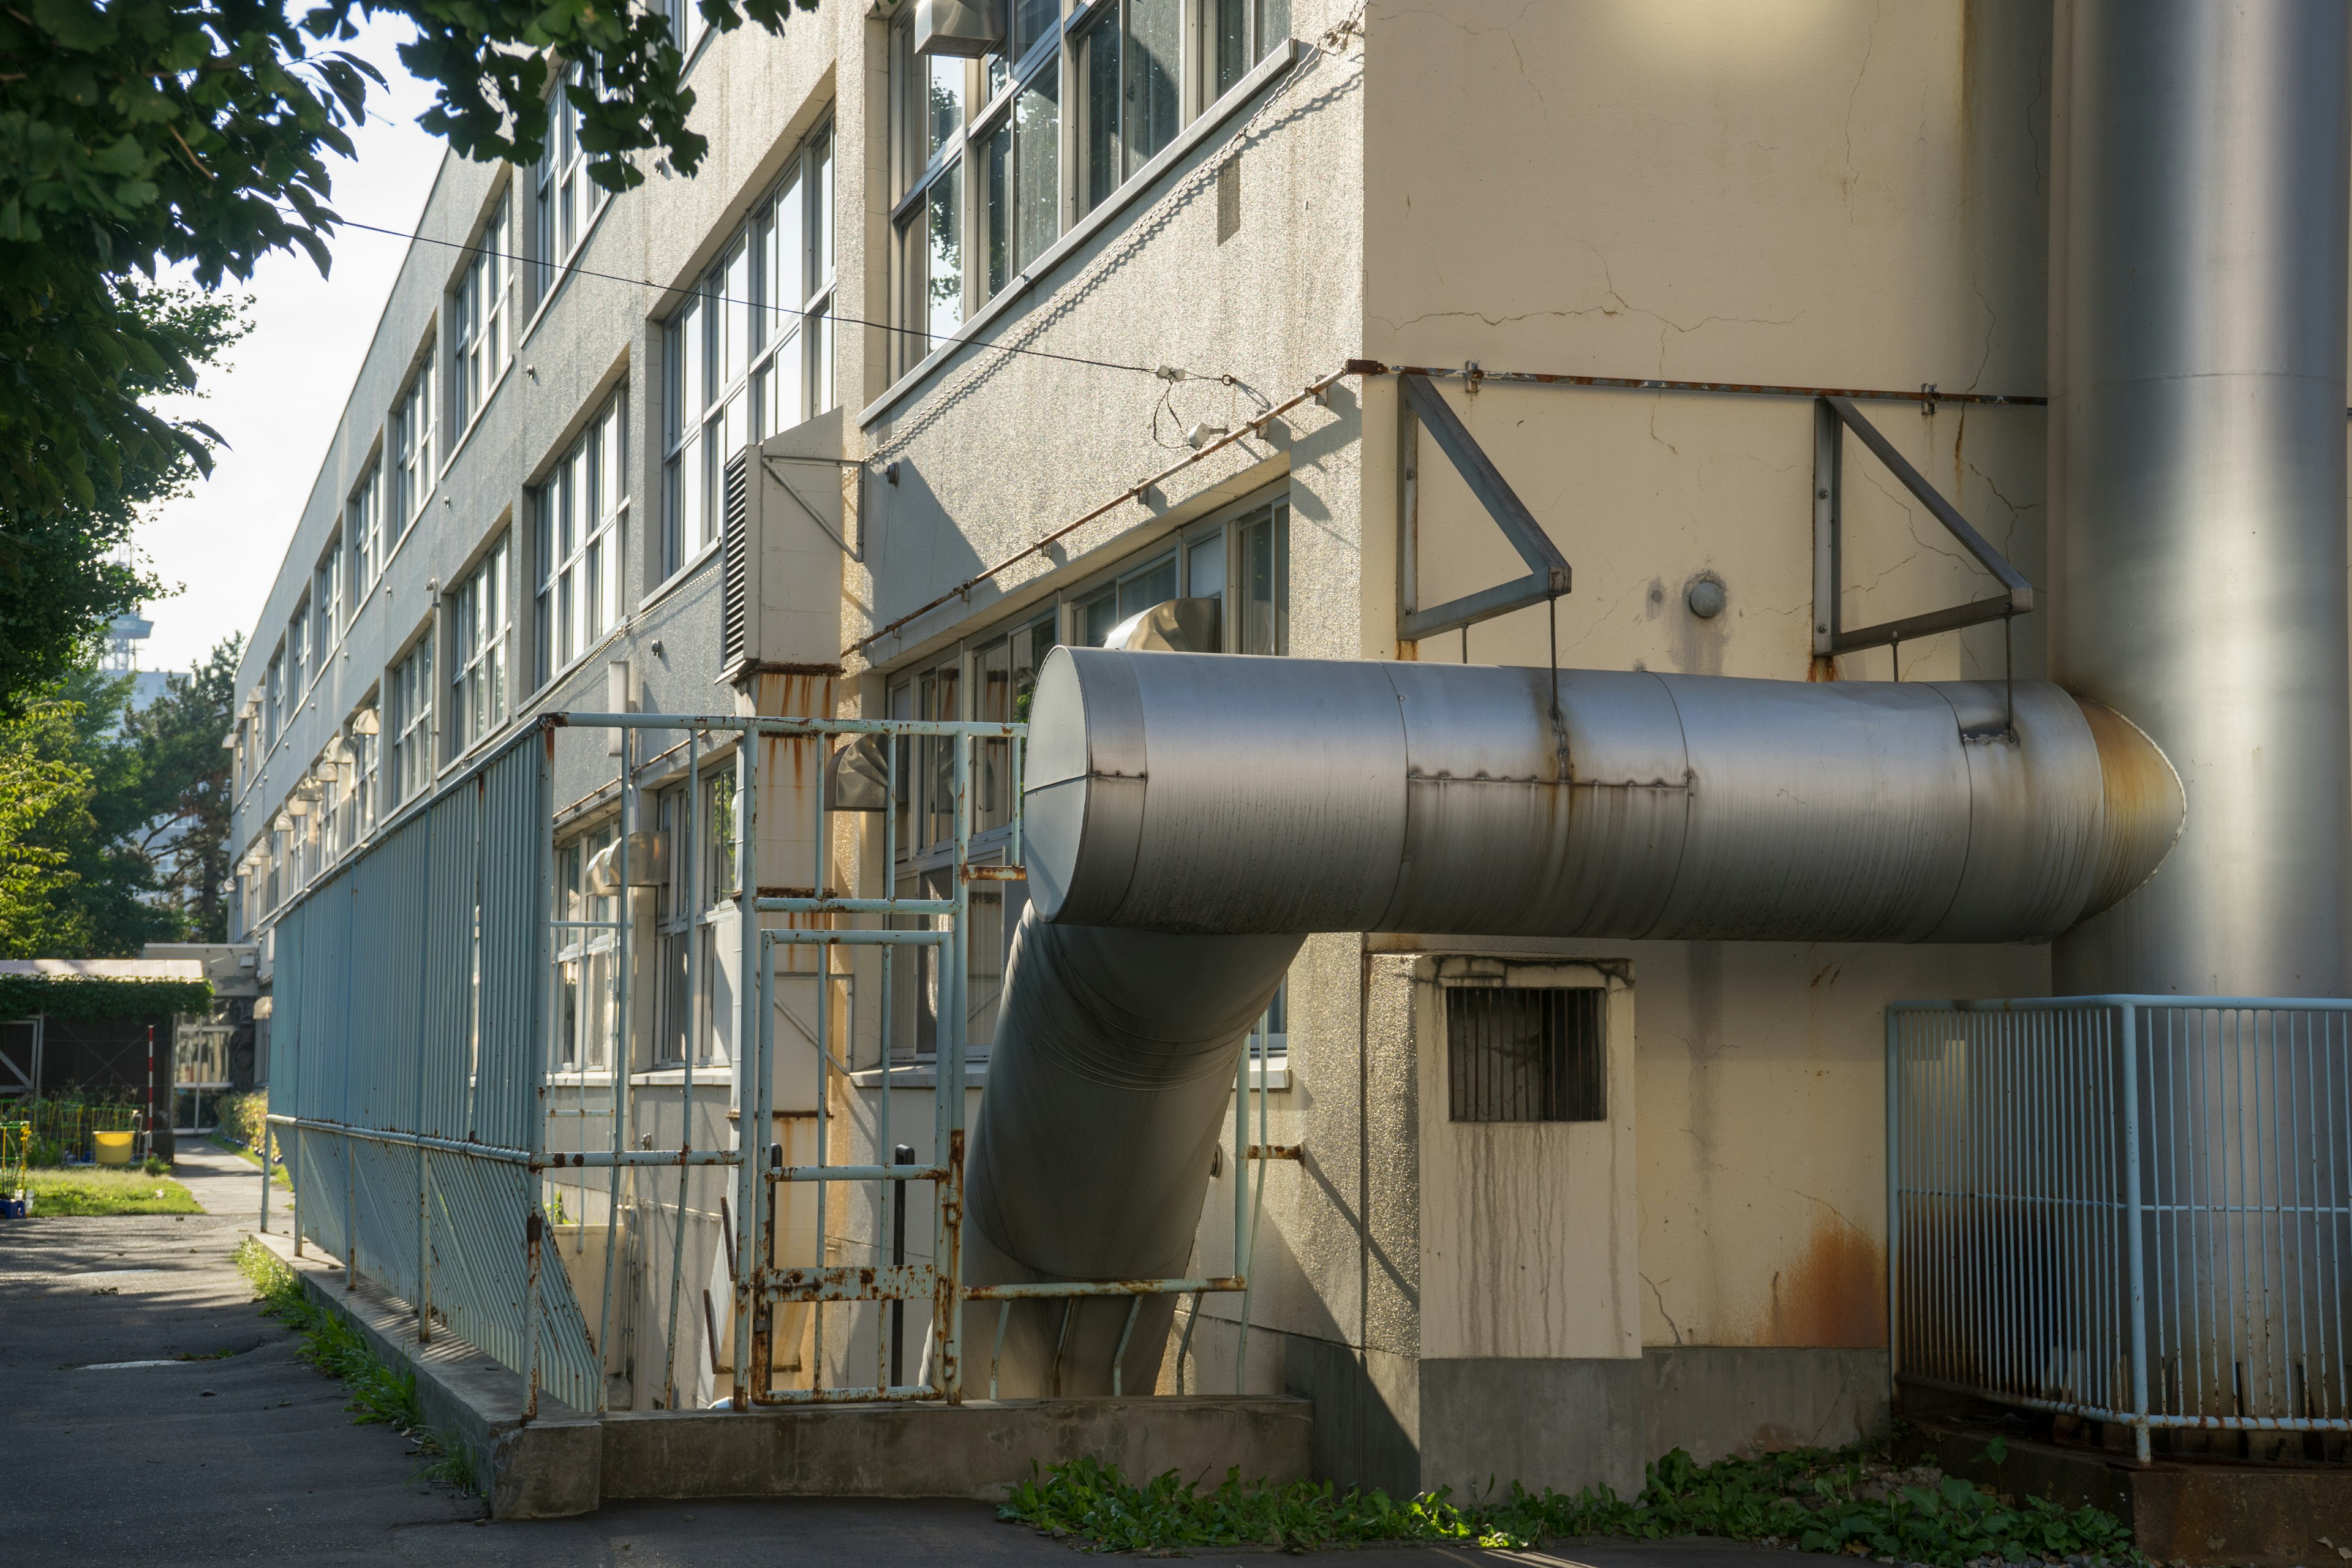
x=943, y=257
x=694, y=381
x=1032, y=20
x=1154, y=55
x=1266, y=582
x=820, y=217
x=943, y=103
x=1099, y=66
x=1036, y=164
x=1205, y=568
x=1231, y=45
x=783, y=396
x=1097, y=616
x=998, y=176
x=789, y=288
x=1152, y=586
x=732, y=282
x=820, y=335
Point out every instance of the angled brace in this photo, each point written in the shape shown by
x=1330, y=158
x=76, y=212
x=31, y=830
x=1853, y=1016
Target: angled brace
x=1832, y=417
x=1420, y=405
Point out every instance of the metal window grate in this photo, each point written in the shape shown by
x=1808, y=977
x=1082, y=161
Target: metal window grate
x=1526, y=1054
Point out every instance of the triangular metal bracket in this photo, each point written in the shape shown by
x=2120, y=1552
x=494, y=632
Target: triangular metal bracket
x=1832, y=417
x=1419, y=405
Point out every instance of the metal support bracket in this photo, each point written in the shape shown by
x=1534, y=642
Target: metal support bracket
x=1420, y=403
x=1832, y=417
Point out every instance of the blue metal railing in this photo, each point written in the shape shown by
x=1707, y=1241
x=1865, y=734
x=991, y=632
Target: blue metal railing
x=2135, y=1209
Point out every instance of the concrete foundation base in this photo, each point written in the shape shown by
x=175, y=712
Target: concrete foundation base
x=565, y=1463
x=2267, y=1515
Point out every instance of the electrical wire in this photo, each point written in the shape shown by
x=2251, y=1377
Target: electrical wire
x=418, y=238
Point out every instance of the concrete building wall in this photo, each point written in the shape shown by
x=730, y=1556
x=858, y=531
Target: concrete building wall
x=1830, y=193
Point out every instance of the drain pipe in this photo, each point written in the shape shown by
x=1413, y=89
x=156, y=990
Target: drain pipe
x=2199, y=218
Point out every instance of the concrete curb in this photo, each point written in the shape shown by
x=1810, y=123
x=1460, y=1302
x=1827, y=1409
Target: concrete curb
x=566, y=1463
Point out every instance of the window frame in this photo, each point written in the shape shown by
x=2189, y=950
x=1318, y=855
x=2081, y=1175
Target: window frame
x=710, y=407
x=327, y=602
x=481, y=335
x=565, y=203
x=586, y=493
x=413, y=471
x=984, y=157
x=580, y=955
x=477, y=671
x=411, y=703
x=364, y=536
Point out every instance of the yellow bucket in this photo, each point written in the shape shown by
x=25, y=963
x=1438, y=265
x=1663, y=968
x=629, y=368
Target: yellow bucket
x=113, y=1148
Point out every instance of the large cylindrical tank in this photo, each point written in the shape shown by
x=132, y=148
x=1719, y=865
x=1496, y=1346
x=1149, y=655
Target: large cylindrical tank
x=2197, y=453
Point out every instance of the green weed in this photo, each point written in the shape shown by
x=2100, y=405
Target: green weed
x=381, y=1396
x=1852, y=1501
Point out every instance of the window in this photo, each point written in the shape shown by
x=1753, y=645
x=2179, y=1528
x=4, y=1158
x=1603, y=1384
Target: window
x=327, y=603
x=363, y=533
x=686, y=26
x=274, y=713
x=980, y=151
x=479, y=324
x=584, y=970
x=564, y=199
x=1526, y=1054
x=410, y=723
x=1130, y=57
x=751, y=353
x=1245, y=31
x=580, y=545
x=686, y=1001
x=298, y=642
x=412, y=447
x=934, y=103
x=1262, y=592
x=479, y=624
x=360, y=756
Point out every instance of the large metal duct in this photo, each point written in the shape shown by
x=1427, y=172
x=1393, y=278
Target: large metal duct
x=2197, y=453
x=1203, y=794
x=1215, y=808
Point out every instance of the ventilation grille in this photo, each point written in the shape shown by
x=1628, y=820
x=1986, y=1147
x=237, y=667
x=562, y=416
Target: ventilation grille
x=735, y=560
x=1526, y=1054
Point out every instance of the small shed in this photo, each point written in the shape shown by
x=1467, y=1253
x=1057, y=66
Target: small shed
x=101, y=1027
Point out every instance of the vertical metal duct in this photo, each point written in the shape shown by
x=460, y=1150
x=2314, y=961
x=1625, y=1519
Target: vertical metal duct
x=2197, y=450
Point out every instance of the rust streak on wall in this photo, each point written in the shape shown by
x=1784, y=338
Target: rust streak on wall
x=1832, y=1295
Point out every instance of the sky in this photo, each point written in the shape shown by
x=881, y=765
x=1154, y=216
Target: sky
x=276, y=397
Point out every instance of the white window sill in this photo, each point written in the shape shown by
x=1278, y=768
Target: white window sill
x=1206, y=124
x=706, y=1075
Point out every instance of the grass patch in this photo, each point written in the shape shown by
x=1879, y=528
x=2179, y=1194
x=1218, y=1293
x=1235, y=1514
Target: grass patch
x=1853, y=1500
x=103, y=1189
x=227, y=1145
x=380, y=1395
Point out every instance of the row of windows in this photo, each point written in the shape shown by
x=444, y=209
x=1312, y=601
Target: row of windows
x=994, y=158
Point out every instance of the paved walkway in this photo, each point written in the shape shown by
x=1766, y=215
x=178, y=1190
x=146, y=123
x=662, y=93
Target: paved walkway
x=247, y=1456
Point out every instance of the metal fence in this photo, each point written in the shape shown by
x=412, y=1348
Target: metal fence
x=414, y=1095
x=2131, y=1209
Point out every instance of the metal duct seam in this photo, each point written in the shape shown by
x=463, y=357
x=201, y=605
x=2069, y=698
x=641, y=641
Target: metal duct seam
x=1210, y=795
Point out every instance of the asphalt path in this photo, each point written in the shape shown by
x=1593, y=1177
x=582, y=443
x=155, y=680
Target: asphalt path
x=148, y=1412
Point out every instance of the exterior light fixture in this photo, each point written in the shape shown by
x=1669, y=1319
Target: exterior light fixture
x=1201, y=435
x=365, y=722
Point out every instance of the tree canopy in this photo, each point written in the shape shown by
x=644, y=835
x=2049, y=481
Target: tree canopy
x=141, y=135
x=114, y=820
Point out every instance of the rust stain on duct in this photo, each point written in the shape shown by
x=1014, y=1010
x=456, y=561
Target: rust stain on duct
x=1832, y=1295
x=2144, y=805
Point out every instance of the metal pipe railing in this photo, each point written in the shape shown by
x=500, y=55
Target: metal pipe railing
x=2126, y=1208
